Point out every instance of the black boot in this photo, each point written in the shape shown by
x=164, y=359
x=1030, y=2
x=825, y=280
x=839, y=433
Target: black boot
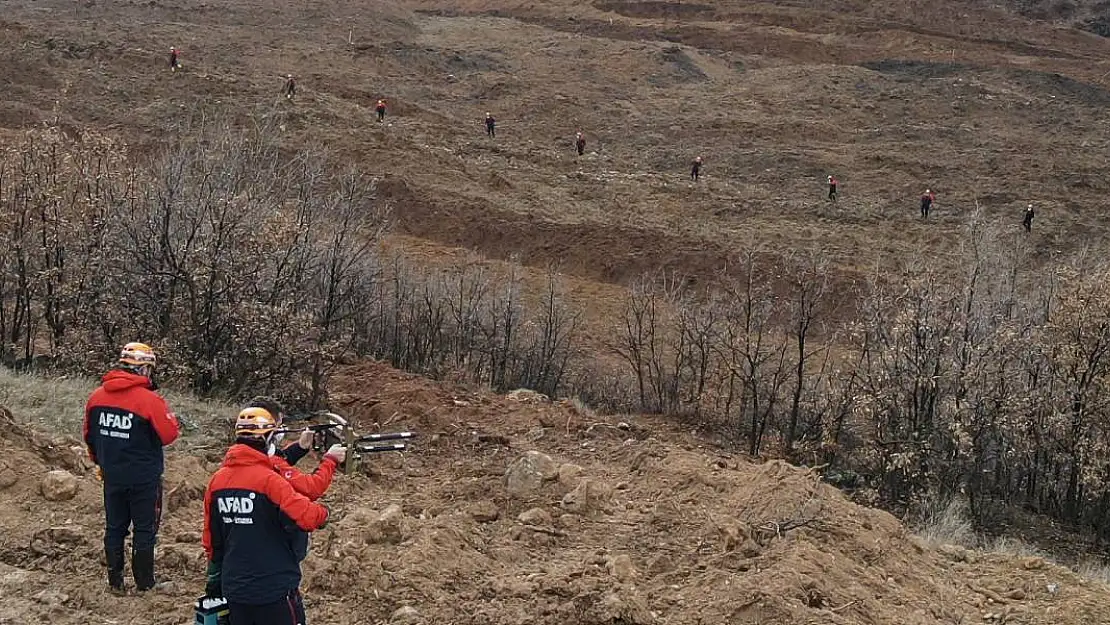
x=142, y=566
x=114, y=557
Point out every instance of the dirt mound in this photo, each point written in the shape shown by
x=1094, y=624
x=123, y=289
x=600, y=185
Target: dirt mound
x=515, y=509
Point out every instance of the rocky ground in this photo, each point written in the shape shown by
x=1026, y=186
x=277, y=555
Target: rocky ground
x=514, y=509
x=980, y=101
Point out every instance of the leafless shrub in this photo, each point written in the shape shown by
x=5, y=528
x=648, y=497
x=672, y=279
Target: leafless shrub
x=992, y=384
x=253, y=271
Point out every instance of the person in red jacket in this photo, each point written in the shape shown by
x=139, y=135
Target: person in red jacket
x=695, y=169
x=125, y=428
x=312, y=485
x=580, y=144
x=252, y=517
x=833, y=182
x=380, y=108
x=927, y=200
x=175, y=64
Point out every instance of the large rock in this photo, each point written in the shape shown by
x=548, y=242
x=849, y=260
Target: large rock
x=59, y=485
x=528, y=473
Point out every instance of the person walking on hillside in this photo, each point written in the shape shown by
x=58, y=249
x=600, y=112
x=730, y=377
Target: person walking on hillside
x=252, y=520
x=175, y=64
x=927, y=200
x=833, y=182
x=380, y=108
x=580, y=144
x=695, y=169
x=1027, y=222
x=290, y=87
x=491, y=125
x=125, y=428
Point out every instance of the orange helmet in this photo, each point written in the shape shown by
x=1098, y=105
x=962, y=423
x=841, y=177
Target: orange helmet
x=138, y=355
x=255, y=422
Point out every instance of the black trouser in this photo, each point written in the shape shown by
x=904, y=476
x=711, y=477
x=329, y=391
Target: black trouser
x=381, y=114
x=286, y=611
x=489, y=131
x=925, y=206
x=832, y=191
x=139, y=506
x=1028, y=223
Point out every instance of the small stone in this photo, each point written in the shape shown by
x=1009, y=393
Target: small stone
x=535, y=516
x=59, y=485
x=405, y=614
x=484, y=512
x=955, y=553
x=569, y=474
x=528, y=473
x=1032, y=564
x=187, y=537
x=527, y=395
x=51, y=597
x=388, y=527
x=621, y=567
x=8, y=478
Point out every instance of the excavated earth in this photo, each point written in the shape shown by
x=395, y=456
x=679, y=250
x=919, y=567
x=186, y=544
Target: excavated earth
x=517, y=510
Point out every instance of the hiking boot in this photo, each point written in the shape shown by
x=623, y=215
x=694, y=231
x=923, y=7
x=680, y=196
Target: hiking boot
x=114, y=557
x=142, y=567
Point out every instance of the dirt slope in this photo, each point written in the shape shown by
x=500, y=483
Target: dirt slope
x=971, y=99
x=607, y=523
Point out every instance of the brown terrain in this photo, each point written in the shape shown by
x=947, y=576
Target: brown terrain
x=990, y=104
x=972, y=99
x=515, y=510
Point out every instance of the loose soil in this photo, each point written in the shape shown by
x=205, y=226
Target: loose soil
x=603, y=521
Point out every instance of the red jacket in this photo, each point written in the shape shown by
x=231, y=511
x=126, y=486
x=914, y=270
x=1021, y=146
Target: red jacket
x=312, y=485
x=253, y=523
x=126, y=425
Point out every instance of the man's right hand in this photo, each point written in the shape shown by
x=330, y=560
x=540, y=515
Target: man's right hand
x=338, y=453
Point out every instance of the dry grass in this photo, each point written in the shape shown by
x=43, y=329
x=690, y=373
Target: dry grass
x=582, y=408
x=947, y=523
x=56, y=404
x=1094, y=570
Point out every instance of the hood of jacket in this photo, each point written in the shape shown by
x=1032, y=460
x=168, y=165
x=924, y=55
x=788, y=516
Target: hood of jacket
x=120, y=380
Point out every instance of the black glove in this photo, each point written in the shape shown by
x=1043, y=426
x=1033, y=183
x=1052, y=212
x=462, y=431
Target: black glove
x=213, y=589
